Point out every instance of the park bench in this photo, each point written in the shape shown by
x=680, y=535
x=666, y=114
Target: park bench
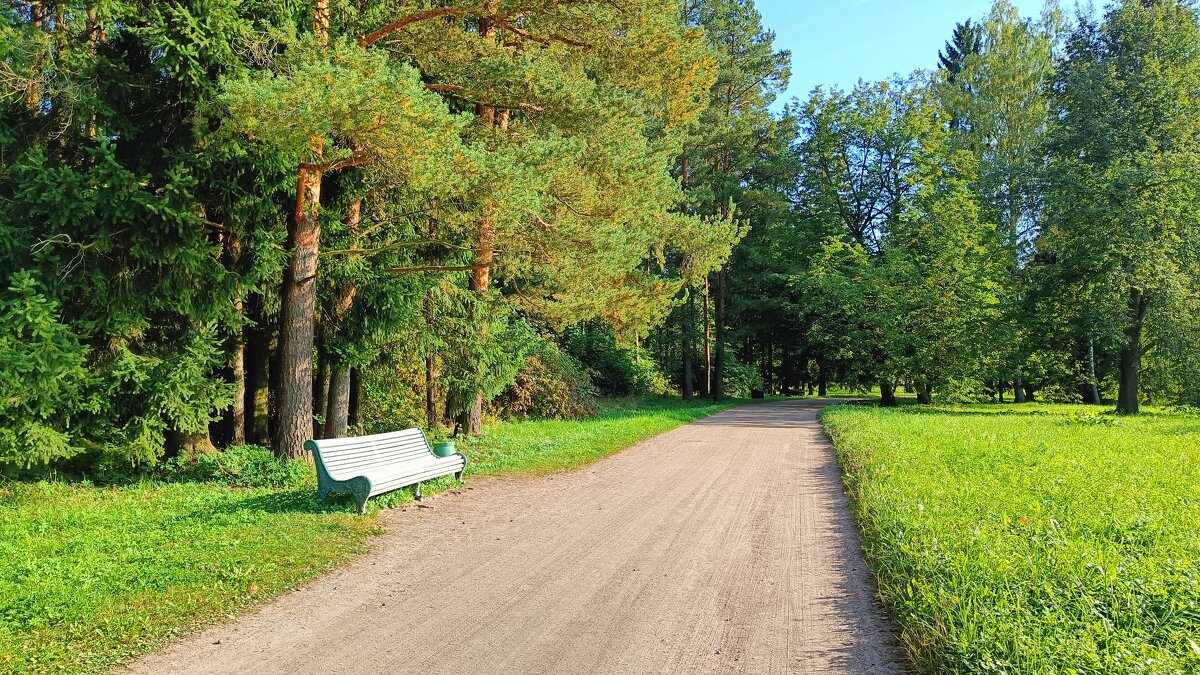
x=365, y=466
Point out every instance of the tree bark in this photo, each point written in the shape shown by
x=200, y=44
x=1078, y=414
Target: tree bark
x=887, y=393
x=1131, y=356
x=431, y=413
x=337, y=415
x=296, y=326
x=298, y=316
x=718, y=377
x=1018, y=389
x=707, y=343
x=822, y=379
x=258, y=375
x=1092, y=365
x=320, y=390
x=356, y=398
x=237, y=347
x=689, y=321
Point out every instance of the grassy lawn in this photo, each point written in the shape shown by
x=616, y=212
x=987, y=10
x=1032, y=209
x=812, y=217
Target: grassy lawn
x=1031, y=539
x=91, y=576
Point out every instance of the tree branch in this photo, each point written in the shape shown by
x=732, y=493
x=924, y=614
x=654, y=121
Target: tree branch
x=459, y=92
x=402, y=23
x=439, y=268
x=356, y=159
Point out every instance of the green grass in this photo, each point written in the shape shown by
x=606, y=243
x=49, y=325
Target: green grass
x=92, y=576
x=1031, y=539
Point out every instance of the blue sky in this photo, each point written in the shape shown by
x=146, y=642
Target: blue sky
x=836, y=42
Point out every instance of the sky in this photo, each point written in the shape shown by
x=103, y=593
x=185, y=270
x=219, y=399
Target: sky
x=836, y=42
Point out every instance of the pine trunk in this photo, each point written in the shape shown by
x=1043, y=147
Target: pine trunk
x=337, y=414
x=237, y=413
x=431, y=413
x=707, y=380
x=320, y=390
x=295, y=421
x=237, y=346
x=1131, y=356
x=718, y=377
x=258, y=376
x=689, y=320
x=356, y=398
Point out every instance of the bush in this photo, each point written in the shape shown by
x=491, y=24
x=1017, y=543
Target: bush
x=649, y=379
x=250, y=466
x=551, y=385
x=614, y=370
x=740, y=379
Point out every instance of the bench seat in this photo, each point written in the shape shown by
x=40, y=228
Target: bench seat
x=365, y=466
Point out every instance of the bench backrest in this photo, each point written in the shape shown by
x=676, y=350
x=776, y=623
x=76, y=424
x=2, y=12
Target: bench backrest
x=345, y=458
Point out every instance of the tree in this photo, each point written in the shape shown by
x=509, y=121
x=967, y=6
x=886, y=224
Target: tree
x=997, y=92
x=1123, y=205
x=737, y=137
x=967, y=41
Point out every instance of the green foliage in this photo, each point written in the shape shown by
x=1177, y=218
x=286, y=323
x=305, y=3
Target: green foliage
x=1030, y=539
x=551, y=385
x=43, y=375
x=243, y=466
x=615, y=370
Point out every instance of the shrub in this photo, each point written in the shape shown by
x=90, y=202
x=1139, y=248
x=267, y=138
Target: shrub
x=43, y=377
x=551, y=385
x=237, y=466
x=614, y=370
x=649, y=379
x=740, y=379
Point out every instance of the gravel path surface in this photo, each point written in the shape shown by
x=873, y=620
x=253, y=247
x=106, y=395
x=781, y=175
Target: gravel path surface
x=724, y=546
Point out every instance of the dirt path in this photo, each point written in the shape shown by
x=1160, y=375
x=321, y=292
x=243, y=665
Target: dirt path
x=722, y=546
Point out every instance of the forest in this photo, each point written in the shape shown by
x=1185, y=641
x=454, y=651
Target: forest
x=235, y=222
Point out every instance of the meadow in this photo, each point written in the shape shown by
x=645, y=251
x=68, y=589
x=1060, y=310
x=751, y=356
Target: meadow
x=1030, y=538
x=91, y=575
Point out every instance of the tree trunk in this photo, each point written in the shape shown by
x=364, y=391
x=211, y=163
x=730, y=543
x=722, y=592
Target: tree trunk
x=768, y=368
x=298, y=310
x=298, y=315
x=237, y=413
x=356, y=398
x=822, y=379
x=189, y=445
x=1131, y=356
x=1092, y=365
x=258, y=375
x=431, y=416
x=689, y=320
x=320, y=390
x=718, y=377
x=237, y=348
x=707, y=343
x=337, y=415
x=924, y=393
x=887, y=393
x=1018, y=389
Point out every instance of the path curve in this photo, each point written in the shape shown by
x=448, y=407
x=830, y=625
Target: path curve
x=724, y=546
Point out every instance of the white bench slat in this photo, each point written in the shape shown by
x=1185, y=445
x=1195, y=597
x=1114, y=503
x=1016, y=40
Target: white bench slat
x=366, y=466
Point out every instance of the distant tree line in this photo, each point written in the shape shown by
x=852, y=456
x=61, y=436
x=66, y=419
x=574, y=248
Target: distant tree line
x=230, y=222
x=1020, y=223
